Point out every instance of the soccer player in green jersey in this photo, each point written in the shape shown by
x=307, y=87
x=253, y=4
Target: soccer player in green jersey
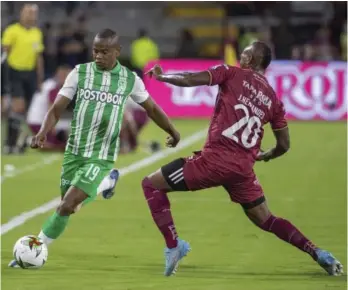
x=101, y=89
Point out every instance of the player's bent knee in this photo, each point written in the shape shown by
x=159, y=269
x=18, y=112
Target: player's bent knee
x=146, y=183
x=258, y=212
x=157, y=181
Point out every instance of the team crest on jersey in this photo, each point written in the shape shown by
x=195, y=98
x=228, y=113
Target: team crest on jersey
x=100, y=96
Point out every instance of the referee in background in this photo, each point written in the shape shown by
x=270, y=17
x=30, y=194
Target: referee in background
x=22, y=44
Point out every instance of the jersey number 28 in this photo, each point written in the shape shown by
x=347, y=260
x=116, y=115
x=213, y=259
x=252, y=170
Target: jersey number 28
x=248, y=130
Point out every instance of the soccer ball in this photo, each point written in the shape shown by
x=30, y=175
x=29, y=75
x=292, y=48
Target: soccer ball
x=30, y=252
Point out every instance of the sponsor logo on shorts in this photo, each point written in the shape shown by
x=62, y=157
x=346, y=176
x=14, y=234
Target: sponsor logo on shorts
x=102, y=97
x=65, y=182
x=177, y=176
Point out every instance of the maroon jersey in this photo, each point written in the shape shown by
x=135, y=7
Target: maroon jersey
x=244, y=104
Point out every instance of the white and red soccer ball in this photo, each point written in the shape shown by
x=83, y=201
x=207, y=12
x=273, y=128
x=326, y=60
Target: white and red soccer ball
x=30, y=252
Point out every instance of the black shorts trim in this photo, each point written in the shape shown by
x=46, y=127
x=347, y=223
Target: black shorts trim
x=254, y=203
x=173, y=173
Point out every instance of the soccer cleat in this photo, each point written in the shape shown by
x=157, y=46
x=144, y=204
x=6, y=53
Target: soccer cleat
x=108, y=193
x=13, y=264
x=173, y=256
x=329, y=263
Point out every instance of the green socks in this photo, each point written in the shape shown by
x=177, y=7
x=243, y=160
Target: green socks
x=55, y=225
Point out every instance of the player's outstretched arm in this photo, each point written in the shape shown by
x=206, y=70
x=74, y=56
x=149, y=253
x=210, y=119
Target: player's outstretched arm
x=50, y=121
x=283, y=145
x=185, y=79
x=162, y=121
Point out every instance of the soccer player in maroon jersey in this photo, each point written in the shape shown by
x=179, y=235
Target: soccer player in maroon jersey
x=244, y=104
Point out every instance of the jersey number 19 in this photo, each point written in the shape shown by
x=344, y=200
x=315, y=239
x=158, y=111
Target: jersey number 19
x=248, y=130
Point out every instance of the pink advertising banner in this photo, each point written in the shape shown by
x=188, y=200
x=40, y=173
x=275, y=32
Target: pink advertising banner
x=310, y=91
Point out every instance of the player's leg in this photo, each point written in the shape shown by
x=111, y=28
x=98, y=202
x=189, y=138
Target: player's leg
x=80, y=184
x=156, y=187
x=179, y=175
x=56, y=224
x=29, y=86
x=248, y=192
x=17, y=110
x=261, y=216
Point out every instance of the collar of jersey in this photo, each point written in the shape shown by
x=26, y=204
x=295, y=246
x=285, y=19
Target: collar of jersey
x=115, y=70
x=24, y=27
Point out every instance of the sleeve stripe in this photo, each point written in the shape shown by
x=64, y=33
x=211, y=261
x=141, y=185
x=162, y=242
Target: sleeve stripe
x=280, y=128
x=211, y=78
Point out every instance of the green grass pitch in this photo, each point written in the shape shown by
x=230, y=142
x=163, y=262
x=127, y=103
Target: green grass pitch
x=114, y=245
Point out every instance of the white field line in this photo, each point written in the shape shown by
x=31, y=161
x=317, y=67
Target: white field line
x=45, y=161
x=25, y=216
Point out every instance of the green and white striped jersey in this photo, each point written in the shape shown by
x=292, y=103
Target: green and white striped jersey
x=100, y=101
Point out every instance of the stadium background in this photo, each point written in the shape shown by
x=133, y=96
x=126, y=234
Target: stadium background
x=114, y=245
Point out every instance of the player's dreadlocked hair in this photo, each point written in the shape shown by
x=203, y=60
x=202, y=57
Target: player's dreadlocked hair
x=106, y=33
x=263, y=51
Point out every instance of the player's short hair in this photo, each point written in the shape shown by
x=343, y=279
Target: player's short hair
x=264, y=52
x=106, y=33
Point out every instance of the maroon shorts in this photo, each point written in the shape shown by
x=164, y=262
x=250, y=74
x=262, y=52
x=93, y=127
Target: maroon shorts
x=197, y=172
x=52, y=139
x=140, y=118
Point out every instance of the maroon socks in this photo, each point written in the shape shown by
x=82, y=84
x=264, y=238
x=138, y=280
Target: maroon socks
x=287, y=232
x=160, y=210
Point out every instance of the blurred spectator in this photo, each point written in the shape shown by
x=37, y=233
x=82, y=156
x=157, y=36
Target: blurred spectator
x=5, y=100
x=71, y=47
x=265, y=35
x=80, y=36
x=323, y=48
x=187, y=47
x=134, y=120
x=230, y=45
x=239, y=8
x=70, y=7
x=143, y=50
x=295, y=53
x=338, y=25
x=308, y=52
x=344, y=42
x=283, y=40
x=246, y=37
x=41, y=102
x=81, y=30
x=50, y=53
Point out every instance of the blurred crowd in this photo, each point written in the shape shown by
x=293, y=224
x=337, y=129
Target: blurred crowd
x=69, y=43
x=65, y=45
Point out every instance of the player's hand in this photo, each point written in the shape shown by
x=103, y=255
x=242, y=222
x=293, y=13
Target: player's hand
x=173, y=140
x=263, y=156
x=38, y=141
x=155, y=72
